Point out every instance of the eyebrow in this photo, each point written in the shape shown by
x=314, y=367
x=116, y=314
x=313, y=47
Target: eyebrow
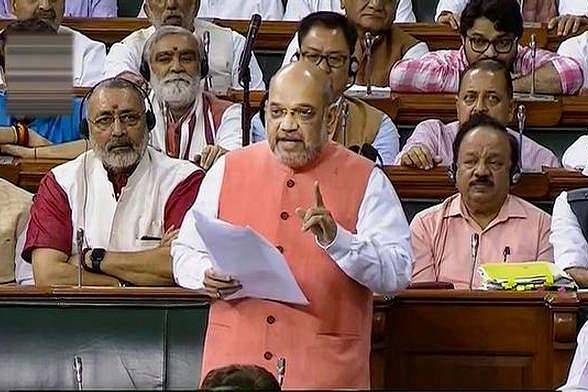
x=337, y=51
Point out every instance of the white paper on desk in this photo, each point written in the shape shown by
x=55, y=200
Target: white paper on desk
x=248, y=257
x=360, y=91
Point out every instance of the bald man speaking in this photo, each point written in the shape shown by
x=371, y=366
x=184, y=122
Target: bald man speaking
x=336, y=219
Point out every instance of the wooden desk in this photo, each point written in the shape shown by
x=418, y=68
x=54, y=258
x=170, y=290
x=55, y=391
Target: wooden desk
x=152, y=338
x=274, y=36
x=411, y=109
x=409, y=183
x=459, y=340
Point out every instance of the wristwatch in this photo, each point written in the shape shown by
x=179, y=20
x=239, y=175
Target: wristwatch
x=96, y=257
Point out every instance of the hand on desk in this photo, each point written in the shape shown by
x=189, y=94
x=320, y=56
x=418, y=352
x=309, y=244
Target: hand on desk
x=219, y=286
x=448, y=18
x=318, y=219
x=567, y=24
x=420, y=156
x=170, y=235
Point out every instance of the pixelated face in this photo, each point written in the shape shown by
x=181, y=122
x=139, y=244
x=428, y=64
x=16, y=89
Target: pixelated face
x=328, y=49
x=483, y=167
x=172, y=12
x=484, y=91
x=118, y=130
x=371, y=15
x=297, y=121
x=484, y=41
x=51, y=11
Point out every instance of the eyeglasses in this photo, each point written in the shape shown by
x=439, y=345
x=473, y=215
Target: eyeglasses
x=333, y=60
x=126, y=119
x=302, y=115
x=501, y=45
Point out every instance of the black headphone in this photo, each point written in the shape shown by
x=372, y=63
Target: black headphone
x=351, y=70
x=145, y=71
x=149, y=115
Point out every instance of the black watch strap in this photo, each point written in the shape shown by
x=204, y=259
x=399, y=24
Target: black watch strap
x=96, y=257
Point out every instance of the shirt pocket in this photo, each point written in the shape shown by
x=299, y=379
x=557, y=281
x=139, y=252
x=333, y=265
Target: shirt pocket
x=149, y=233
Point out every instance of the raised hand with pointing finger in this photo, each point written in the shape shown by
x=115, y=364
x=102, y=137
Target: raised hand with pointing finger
x=318, y=219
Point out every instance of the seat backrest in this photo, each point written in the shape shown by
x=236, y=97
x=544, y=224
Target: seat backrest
x=424, y=10
x=129, y=8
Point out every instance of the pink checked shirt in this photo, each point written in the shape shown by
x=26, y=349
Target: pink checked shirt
x=438, y=138
x=440, y=239
x=439, y=71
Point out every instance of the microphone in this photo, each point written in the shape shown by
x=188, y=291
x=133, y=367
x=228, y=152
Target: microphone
x=533, y=46
x=206, y=44
x=474, y=244
x=281, y=369
x=369, y=43
x=522, y=120
x=254, y=24
x=77, y=367
x=80, y=243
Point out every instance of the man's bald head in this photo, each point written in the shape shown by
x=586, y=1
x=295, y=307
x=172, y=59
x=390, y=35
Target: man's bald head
x=298, y=113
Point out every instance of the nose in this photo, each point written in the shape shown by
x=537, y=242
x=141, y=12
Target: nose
x=289, y=123
x=324, y=65
x=44, y=4
x=480, y=106
x=117, y=127
x=481, y=170
x=376, y=4
x=491, y=52
x=176, y=65
x=171, y=4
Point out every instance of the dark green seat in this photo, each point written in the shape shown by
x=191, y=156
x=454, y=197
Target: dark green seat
x=129, y=8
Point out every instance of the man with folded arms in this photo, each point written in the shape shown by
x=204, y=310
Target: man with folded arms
x=489, y=29
x=338, y=223
x=485, y=87
x=191, y=124
x=128, y=199
x=225, y=46
x=482, y=223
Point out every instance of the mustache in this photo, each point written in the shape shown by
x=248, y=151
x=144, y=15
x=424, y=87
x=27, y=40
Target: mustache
x=123, y=141
x=183, y=77
x=50, y=14
x=482, y=181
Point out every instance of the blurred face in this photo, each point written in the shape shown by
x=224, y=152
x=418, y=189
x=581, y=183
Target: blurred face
x=485, y=92
x=484, y=41
x=297, y=121
x=118, y=131
x=172, y=12
x=50, y=11
x=175, y=70
x=483, y=169
x=374, y=16
x=329, y=50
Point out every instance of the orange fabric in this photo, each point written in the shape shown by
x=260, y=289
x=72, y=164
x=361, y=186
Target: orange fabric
x=327, y=343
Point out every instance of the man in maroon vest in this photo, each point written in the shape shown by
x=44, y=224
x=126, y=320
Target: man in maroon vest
x=191, y=123
x=336, y=219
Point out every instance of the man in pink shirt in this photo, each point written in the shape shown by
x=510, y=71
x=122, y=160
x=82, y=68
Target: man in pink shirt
x=482, y=223
x=489, y=29
x=485, y=87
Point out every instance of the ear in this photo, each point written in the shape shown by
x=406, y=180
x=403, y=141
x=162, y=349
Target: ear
x=343, y=4
x=12, y=6
x=146, y=9
x=331, y=117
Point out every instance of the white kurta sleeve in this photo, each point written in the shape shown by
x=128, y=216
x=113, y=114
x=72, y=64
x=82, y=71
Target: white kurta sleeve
x=256, y=74
x=290, y=50
x=271, y=9
x=569, y=245
x=298, y=9
x=387, y=141
x=93, y=64
x=573, y=7
x=455, y=6
x=23, y=271
x=417, y=51
x=578, y=375
x=404, y=13
x=189, y=255
x=576, y=155
x=229, y=135
x=379, y=256
x=121, y=58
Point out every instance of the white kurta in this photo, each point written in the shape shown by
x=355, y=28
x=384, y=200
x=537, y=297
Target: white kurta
x=228, y=135
x=118, y=225
x=378, y=256
x=577, y=48
x=569, y=245
x=226, y=47
x=566, y=7
x=576, y=155
x=242, y=9
x=578, y=375
x=298, y=9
